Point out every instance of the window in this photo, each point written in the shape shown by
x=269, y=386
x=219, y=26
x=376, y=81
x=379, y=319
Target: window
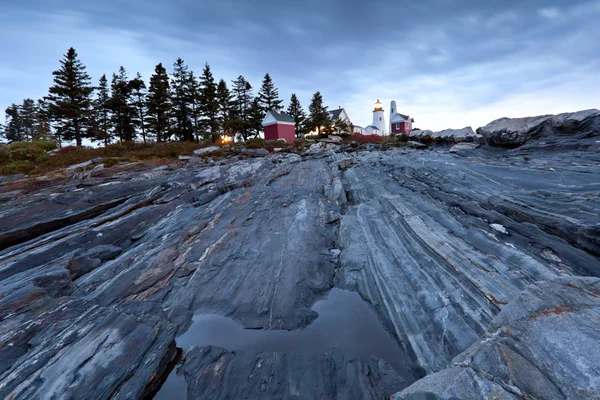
x=380, y=118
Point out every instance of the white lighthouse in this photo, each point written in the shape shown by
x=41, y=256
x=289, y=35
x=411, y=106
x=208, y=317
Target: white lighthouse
x=379, y=118
x=393, y=111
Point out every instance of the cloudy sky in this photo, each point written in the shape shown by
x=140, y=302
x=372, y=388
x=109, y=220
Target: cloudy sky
x=447, y=63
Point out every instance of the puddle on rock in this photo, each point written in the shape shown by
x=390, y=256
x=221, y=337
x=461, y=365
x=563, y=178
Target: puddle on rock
x=345, y=321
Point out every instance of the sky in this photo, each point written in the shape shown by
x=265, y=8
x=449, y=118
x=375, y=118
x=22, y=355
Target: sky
x=448, y=64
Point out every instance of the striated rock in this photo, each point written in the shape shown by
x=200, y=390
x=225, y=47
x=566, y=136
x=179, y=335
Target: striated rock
x=543, y=345
x=417, y=241
x=97, y=280
x=215, y=373
x=256, y=152
x=447, y=136
x=206, y=151
x=99, y=276
x=514, y=132
x=460, y=147
x=416, y=145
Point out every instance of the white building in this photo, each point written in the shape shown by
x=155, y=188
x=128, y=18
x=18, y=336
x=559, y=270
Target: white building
x=379, y=119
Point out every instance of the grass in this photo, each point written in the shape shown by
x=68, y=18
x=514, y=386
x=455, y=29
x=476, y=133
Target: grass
x=33, y=158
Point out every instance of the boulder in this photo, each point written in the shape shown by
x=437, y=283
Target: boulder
x=206, y=150
x=316, y=148
x=345, y=163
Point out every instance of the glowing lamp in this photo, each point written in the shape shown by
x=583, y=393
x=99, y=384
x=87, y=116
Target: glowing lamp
x=378, y=106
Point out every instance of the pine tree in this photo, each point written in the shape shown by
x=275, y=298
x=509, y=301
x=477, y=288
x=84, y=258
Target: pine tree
x=319, y=117
x=269, y=95
x=209, y=103
x=159, y=105
x=241, y=104
x=180, y=97
x=138, y=88
x=120, y=104
x=255, y=117
x=195, y=103
x=69, y=98
x=42, y=120
x=224, y=100
x=342, y=127
x=13, y=130
x=27, y=116
x=102, y=112
x=296, y=111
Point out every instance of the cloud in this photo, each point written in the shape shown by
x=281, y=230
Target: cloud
x=549, y=12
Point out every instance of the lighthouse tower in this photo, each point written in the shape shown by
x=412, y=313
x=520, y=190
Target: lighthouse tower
x=379, y=118
x=393, y=111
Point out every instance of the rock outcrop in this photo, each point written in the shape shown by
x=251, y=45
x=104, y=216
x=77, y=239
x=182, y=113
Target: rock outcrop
x=449, y=136
x=542, y=345
x=562, y=130
x=482, y=266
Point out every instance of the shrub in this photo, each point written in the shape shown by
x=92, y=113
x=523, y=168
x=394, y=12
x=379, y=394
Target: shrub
x=256, y=143
x=363, y=139
x=17, y=167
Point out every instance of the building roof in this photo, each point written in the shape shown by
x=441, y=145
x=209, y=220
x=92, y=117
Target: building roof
x=372, y=126
x=397, y=117
x=335, y=114
x=282, y=116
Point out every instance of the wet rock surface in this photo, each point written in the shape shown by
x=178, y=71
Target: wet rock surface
x=481, y=265
x=215, y=373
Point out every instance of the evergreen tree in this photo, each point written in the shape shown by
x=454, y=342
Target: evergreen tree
x=69, y=98
x=180, y=97
x=42, y=120
x=102, y=112
x=159, y=105
x=319, y=117
x=123, y=113
x=255, y=117
x=138, y=89
x=296, y=111
x=195, y=104
x=269, y=96
x=224, y=100
x=342, y=127
x=209, y=103
x=13, y=130
x=27, y=115
x=241, y=105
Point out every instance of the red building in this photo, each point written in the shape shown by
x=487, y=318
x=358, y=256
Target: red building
x=399, y=123
x=401, y=127
x=279, y=126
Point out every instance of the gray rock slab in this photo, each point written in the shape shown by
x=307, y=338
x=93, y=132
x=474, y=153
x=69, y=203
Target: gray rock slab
x=543, y=345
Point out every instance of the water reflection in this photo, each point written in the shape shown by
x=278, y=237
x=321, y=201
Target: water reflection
x=345, y=321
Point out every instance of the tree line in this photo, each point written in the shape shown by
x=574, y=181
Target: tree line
x=176, y=106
